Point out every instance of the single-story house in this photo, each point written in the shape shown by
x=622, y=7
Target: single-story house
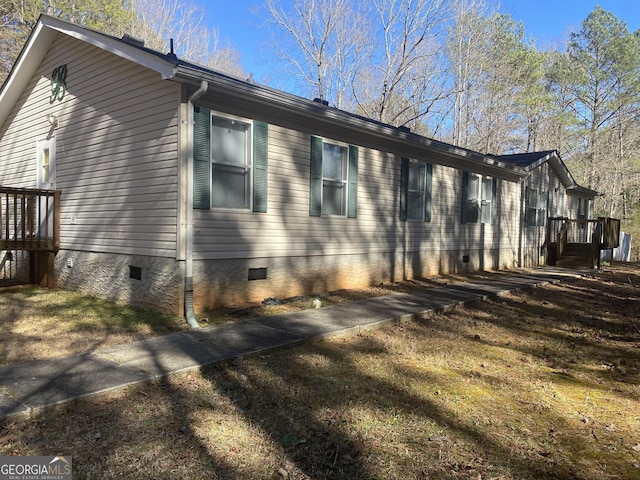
x=179, y=187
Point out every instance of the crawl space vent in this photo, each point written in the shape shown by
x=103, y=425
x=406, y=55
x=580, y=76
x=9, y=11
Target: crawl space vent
x=257, y=274
x=135, y=272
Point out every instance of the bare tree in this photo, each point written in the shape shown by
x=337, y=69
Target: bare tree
x=154, y=21
x=320, y=42
x=18, y=17
x=184, y=21
x=405, y=71
x=466, y=58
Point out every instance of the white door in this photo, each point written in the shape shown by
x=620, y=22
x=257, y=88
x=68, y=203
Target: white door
x=46, y=180
x=47, y=164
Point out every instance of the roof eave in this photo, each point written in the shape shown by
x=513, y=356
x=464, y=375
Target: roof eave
x=561, y=169
x=583, y=191
x=404, y=142
x=164, y=67
x=37, y=46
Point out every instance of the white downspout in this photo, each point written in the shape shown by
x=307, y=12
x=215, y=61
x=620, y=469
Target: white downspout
x=188, y=281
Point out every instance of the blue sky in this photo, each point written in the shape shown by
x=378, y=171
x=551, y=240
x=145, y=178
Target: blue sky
x=548, y=21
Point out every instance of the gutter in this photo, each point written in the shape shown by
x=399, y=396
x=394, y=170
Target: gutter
x=363, y=131
x=188, y=274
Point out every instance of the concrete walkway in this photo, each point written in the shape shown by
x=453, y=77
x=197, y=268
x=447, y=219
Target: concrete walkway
x=28, y=388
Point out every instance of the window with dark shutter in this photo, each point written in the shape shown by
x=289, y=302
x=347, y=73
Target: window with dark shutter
x=415, y=190
x=333, y=179
x=230, y=162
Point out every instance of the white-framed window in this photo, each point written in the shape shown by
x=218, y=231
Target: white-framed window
x=333, y=179
x=231, y=162
x=335, y=159
x=478, y=198
x=415, y=201
x=536, y=207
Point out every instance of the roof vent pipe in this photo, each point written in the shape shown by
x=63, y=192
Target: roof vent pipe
x=171, y=55
x=321, y=101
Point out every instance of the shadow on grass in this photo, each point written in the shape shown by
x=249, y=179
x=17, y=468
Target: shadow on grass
x=367, y=407
x=39, y=324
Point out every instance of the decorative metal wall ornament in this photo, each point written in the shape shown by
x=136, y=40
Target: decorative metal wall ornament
x=58, y=83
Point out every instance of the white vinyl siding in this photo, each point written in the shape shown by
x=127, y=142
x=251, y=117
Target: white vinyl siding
x=116, y=150
x=288, y=230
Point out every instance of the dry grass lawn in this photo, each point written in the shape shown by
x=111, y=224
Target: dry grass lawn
x=541, y=384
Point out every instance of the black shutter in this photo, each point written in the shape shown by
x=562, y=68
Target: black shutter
x=201, y=158
x=465, y=196
x=260, y=164
x=315, y=178
x=352, y=201
x=494, y=203
x=427, y=193
x=404, y=188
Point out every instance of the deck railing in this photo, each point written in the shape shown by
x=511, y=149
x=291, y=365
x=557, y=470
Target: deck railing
x=602, y=231
x=29, y=219
x=594, y=234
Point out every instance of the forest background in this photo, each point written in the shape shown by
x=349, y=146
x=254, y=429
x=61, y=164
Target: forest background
x=459, y=71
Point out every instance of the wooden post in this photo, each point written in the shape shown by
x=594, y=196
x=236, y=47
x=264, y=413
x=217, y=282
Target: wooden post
x=51, y=270
x=56, y=220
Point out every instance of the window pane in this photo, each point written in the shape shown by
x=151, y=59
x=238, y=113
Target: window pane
x=416, y=176
x=229, y=141
x=334, y=161
x=415, y=206
x=45, y=165
x=333, y=198
x=474, y=187
x=473, y=210
x=230, y=186
x=487, y=189
x=416, y=194
x=486, y=212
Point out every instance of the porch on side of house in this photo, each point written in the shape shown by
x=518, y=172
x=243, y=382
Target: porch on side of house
x=30, y=222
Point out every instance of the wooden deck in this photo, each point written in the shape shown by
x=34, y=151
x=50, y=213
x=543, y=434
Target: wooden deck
x=30, y=222
x=579, y=242
x=29, y=219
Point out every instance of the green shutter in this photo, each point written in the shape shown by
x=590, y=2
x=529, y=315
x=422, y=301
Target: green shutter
x=404, y=188
x=427, y=194
x=494, y=203
x=201, y=158
x=527, y=205
x=465, y=196
x=260, y=163
x=315, y=178
x=352, y=201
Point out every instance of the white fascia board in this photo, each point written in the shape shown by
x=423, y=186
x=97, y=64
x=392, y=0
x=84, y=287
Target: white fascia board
x=43, y=36
x=408, y=144
x=561, y=169
x=25, y=67
x=112, y=45
x=584, y=192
